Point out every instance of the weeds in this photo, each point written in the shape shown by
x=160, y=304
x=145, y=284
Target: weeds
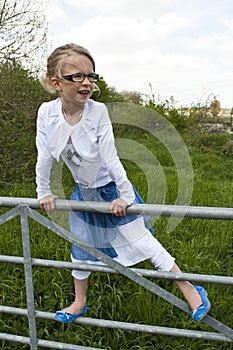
x=200, y=246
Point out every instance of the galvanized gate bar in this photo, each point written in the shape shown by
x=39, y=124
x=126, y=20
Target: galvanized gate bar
x=15, y=338
x=178, y=276
x=9, y=215
x=126, y=326
x=128, y=273
x=64, y=346
x=43, y=343
x=175, y=211
x=28, y=277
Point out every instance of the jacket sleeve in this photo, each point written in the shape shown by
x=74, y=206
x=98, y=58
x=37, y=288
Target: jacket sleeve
x=108, y=154
x=44, y=157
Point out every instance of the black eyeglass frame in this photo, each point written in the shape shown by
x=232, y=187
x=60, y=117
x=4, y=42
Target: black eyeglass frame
x=92, y=77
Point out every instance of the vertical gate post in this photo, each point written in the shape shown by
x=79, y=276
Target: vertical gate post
x=28, y=277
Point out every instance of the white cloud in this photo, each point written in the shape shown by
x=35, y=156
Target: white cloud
x=213, y=42
x=172, y=47
x=55, y=13
x=120, y=35
x=228, y=24
x=129, y=8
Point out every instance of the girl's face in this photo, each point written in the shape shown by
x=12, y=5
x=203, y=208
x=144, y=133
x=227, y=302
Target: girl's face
x=75, y=93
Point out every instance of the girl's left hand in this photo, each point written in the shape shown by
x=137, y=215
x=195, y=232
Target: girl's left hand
x=118, y=207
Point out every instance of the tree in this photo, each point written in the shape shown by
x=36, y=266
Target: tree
x=132, y=96
x=20, y=96
x=23, y=30
x=215, y=107
x=107, y=93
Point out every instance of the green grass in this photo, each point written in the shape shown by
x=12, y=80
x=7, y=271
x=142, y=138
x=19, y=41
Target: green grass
x=200, y=246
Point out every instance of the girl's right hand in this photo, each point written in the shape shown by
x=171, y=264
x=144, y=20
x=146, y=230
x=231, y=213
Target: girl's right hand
x=118, y=207
x=48, y=203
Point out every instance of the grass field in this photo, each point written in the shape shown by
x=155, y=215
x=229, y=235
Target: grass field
x=200, y=246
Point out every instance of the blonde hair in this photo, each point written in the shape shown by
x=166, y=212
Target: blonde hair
x=56, y=60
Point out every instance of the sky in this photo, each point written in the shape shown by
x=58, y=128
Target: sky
x=179, y=48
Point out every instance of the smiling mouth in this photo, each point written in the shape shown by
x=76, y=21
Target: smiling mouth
x=84, y=92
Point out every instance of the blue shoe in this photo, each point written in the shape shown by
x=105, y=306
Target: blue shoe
x=67, y=317
x=199, y=313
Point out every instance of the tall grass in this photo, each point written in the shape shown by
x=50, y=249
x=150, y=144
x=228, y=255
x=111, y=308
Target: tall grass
x=200, y=246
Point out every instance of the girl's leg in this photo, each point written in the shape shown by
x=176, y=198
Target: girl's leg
x=80, y=287
x=195, y=296
x=191, y=295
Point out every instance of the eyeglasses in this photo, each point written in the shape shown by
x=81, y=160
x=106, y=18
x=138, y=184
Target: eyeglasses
x=79, y=77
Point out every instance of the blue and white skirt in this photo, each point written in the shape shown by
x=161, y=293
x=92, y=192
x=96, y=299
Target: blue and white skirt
x=113, y=235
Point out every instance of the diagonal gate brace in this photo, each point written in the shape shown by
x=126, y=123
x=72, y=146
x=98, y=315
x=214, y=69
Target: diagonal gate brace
x=9, y=215
x=210, y=321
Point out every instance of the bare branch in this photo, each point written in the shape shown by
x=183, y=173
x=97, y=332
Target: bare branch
x=23, y=30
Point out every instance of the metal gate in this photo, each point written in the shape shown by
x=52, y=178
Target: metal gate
x=24, y=207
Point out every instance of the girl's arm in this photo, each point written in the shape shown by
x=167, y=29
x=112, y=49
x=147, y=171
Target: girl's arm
x=43, y=166
x=111, y=160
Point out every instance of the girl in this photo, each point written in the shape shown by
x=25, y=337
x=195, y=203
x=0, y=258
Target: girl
x=79, y=130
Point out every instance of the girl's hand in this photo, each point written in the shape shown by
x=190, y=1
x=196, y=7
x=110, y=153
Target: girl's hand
x=48, y=203
x=118, y=207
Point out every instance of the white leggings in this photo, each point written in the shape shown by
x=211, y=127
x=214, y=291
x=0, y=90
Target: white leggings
x=162, y=260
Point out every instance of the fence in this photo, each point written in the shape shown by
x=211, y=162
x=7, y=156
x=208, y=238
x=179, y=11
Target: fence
x=24, y=207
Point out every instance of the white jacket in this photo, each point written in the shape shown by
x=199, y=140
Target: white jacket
x=92, y=157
